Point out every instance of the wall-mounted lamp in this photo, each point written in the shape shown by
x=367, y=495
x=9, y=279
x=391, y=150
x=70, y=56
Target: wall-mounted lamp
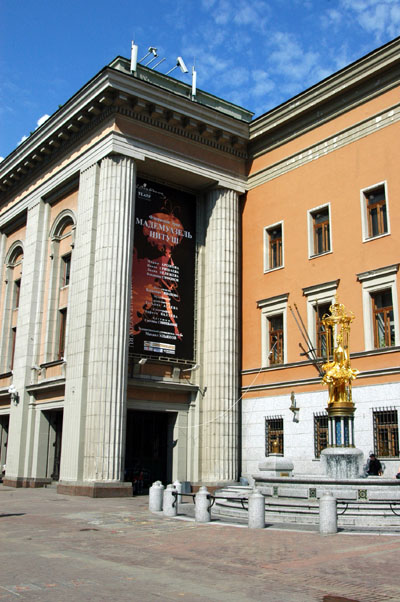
x=293, y=408
x=192, y=368
x=14, y=395
x=142, y=361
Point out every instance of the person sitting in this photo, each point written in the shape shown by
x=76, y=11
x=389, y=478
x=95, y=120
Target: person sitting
x=374, y=467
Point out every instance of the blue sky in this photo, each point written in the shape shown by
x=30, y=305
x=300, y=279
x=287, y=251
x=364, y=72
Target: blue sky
x=254, y=53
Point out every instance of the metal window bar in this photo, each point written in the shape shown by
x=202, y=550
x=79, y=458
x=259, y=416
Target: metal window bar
x=386, y=432
x=274, y=432
x=320, y=433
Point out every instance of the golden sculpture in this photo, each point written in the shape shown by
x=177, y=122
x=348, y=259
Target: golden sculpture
x=338, y=372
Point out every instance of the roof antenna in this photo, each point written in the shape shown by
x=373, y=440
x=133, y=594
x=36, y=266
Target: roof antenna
x=194, y=82
x=179, y=63
x=134, y=51
x=152, y=51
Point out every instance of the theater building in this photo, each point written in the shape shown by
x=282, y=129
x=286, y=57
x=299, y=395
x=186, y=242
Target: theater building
x=152, y=243
x=322, y=218
x=119, y=250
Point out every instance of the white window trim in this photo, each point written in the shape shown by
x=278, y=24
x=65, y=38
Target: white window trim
x=374, y=281
x=310, y=224
x=272, y=307
x=266, y=248
x=364, y=212
x=318, y=293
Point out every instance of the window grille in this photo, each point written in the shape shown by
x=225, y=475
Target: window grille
x=386, y=432
x=320, y=433
x=274, y=435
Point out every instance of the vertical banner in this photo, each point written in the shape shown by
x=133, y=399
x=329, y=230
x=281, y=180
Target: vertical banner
x=163, y=268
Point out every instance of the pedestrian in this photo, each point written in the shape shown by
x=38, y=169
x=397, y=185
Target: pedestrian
x=374, y=467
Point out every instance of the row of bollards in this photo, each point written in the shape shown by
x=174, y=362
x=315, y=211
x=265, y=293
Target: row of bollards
x=166, y=500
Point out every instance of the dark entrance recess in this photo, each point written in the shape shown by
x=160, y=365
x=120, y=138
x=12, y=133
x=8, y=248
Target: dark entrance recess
x=149, y=443
x=54, y=439
x=4, y=422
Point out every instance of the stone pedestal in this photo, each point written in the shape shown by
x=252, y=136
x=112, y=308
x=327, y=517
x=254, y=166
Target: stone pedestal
x=276, y=466
x=342, y=462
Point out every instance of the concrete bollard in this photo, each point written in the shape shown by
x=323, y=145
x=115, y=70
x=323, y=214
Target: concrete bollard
x=256, y=510
x=170, y=507
x=327, y=514
x=156, y=493
x=202, y=513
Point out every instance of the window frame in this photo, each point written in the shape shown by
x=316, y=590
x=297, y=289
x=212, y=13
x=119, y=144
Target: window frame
x=311, y=230
x=281, y=435
x=318, y=294
x=267, y=245
x=317, y=432
x=270, y=308
x=393, y=428
x=366, y=237
x=375, y=281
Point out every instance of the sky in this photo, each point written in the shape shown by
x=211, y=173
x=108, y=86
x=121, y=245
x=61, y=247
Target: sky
x=254, y=53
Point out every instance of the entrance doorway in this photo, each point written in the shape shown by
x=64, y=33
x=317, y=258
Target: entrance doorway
x=4, y=422
x=54, y=439
x=149, y=444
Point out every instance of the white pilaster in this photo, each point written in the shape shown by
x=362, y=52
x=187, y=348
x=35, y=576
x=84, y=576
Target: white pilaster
x=19, y=452
x=220, y=338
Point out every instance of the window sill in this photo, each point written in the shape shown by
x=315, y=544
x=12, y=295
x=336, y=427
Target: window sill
x=320, y=254
x=279, y=267
x=369, y=238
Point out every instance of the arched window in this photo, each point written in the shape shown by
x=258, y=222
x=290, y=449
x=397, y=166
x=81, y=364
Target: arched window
x=13, y=274
x=62, y=235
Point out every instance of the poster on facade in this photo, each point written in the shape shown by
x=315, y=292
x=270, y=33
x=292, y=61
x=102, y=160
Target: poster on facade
x=163, y=267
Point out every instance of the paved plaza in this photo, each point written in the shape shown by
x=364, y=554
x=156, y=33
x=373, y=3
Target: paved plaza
x=61, y=548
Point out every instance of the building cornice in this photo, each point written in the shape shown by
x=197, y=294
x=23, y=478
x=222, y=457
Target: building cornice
x=357, y=83
x=107, y=95
x=327, y=145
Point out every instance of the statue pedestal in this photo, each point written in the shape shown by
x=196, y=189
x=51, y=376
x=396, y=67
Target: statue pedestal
x=342, y=462
x=276, y=466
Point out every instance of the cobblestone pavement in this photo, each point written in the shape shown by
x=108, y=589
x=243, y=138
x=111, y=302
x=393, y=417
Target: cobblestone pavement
x=59, y=548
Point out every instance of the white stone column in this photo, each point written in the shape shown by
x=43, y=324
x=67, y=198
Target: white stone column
x=109, y=337
x=220, y=338
x=19, y=453
x=79, y=323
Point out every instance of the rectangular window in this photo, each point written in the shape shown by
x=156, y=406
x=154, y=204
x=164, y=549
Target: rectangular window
x=386, y=433
x=66, y=269
x=13, y=340
x=320, y=330
x=62, y=326
x=375, y=200
x=17, y=290
x=275, y=325
x=273, y=436
x=320, y=433
x=321, y=232
x=273, y=245
x=383, y=319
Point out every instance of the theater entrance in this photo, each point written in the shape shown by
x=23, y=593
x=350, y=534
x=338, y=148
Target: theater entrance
x=149, y=445
x=54, y=420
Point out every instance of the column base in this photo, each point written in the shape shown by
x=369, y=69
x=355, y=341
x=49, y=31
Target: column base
x=96, y=489
x=26, y=482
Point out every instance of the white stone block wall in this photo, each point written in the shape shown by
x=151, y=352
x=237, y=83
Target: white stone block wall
x=299, y=437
